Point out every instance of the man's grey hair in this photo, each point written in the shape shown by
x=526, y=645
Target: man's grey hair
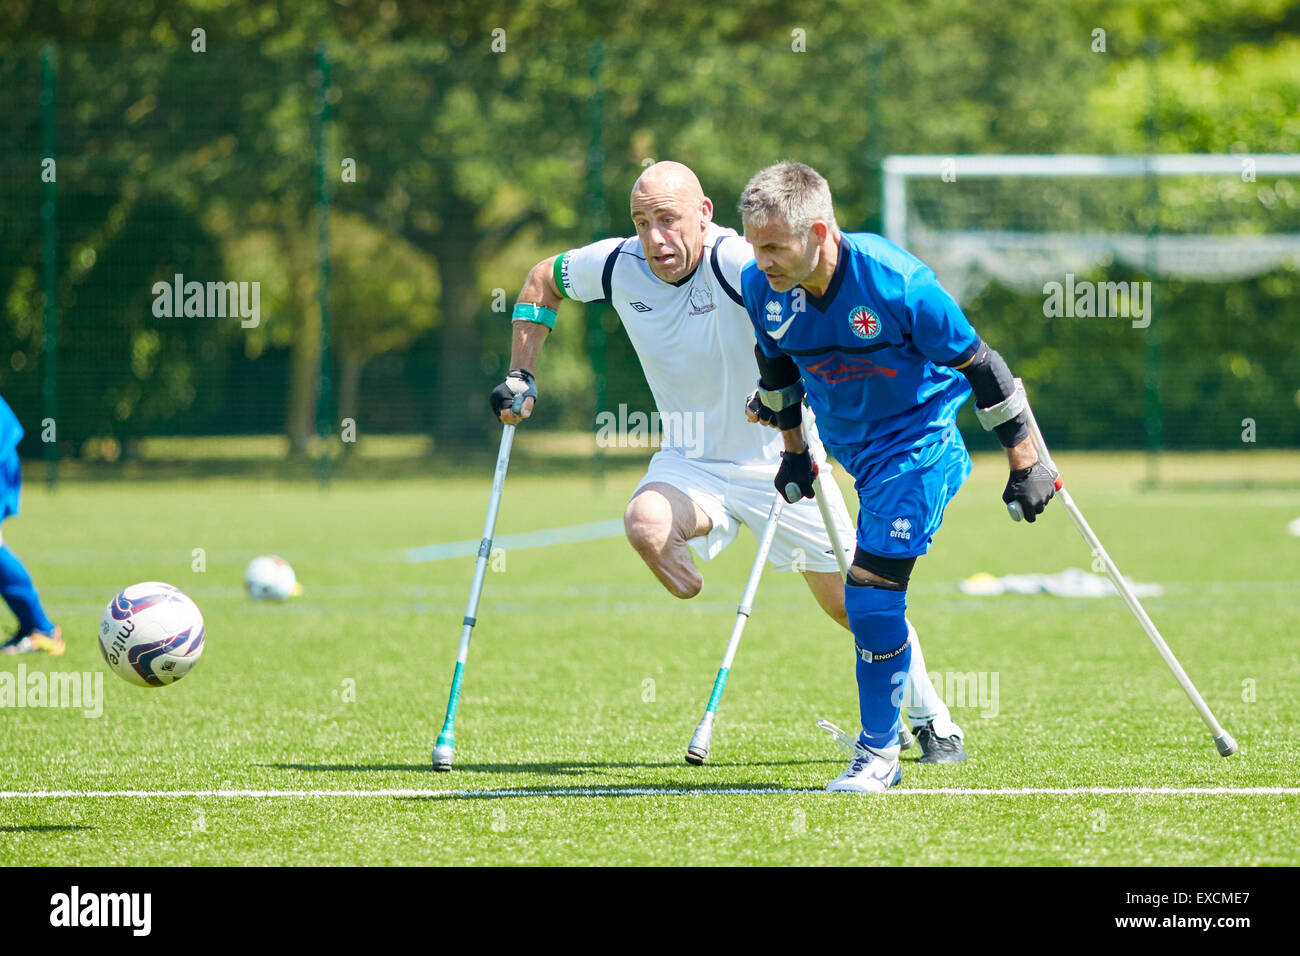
x=788, y=191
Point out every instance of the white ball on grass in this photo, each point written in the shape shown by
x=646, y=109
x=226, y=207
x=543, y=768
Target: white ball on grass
x=269, y=578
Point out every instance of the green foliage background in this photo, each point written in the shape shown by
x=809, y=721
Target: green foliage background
x=473, y=162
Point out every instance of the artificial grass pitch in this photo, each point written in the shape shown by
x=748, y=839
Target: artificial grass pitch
x=585, y=680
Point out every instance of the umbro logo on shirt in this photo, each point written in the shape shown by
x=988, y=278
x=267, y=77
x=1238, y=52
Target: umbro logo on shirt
x=640, y=306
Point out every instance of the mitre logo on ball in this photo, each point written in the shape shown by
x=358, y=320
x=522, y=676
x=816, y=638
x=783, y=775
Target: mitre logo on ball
x=864, y=323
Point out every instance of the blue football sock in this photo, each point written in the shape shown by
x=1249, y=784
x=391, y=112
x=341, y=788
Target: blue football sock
x=878, y=619
x=19, y=592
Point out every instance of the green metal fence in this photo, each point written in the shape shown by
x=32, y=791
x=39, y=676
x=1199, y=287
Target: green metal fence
x=388, y=202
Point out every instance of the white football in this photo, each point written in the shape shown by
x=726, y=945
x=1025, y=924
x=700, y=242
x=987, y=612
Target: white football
x=151, y=634
x=269, y=578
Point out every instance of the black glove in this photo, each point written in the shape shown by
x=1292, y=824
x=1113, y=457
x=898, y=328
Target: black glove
x=512, y=392
x=797, y=468
x=1032, y=488
x=755, y=404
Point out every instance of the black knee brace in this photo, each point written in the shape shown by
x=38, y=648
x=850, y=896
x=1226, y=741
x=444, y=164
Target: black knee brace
x=896, y=571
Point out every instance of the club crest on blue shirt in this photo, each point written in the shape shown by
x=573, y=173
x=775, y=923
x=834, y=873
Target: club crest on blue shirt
x=864, y=323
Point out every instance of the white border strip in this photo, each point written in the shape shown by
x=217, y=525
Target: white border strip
x=653, y=792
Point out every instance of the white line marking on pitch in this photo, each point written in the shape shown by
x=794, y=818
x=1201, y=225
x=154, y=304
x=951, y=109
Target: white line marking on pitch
x=612, y=528
x=659, y=792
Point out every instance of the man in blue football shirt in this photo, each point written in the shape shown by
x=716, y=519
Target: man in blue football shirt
x=36, y=634
x=885, y=358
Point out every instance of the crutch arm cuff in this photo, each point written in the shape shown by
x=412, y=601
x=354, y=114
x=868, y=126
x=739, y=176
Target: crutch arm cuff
x=1000, y=403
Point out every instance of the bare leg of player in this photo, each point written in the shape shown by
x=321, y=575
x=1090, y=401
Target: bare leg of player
x=659, y=520
x=828, y=588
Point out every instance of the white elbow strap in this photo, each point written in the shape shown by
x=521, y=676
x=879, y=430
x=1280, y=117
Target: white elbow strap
x=1000, y=401
x=1005, y=410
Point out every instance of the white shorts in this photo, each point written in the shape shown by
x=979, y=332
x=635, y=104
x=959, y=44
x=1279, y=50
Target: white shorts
x=732, y=495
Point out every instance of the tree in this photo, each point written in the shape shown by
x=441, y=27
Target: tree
x=383, y=294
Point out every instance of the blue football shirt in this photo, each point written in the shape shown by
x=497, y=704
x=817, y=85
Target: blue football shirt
x=874, y=350
x=11, y=432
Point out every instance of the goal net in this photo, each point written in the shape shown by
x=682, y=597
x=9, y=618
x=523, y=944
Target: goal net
x=1149, y=302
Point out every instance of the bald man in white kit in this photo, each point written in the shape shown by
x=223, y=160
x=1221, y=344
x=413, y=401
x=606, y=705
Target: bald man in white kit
x=675, y=286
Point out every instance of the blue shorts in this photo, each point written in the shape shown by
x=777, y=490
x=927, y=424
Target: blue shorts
x=11, y=483
x=901, y=499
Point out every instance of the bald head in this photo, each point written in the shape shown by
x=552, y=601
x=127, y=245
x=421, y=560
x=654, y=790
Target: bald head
x=668, y=177
x=671, y=214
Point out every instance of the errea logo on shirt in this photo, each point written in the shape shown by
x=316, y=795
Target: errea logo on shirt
x=775, y=327
x=902, y=529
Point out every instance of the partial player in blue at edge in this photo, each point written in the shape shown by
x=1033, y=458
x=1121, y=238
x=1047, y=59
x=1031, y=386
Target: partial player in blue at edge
x=36, y=633
x=885, y=358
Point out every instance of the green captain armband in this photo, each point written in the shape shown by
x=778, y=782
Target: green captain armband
x=528, y=312
x=558, y=272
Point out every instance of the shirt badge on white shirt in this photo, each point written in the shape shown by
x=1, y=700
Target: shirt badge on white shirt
x=701, y=299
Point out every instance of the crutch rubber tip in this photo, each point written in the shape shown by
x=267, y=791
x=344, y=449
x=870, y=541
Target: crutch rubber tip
x=443, y=757
x=697, y=751
x=1227, y=746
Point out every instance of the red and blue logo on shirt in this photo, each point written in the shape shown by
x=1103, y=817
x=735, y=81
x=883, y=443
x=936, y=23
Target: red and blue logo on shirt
x=864, y=323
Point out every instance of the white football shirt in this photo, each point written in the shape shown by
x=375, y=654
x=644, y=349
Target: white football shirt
x=693, y=337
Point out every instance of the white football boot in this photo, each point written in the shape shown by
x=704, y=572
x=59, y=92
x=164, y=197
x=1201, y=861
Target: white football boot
x=869, y=771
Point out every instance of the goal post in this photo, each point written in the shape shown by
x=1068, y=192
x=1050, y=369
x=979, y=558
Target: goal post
x=899, y=169
x=1214, y=239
